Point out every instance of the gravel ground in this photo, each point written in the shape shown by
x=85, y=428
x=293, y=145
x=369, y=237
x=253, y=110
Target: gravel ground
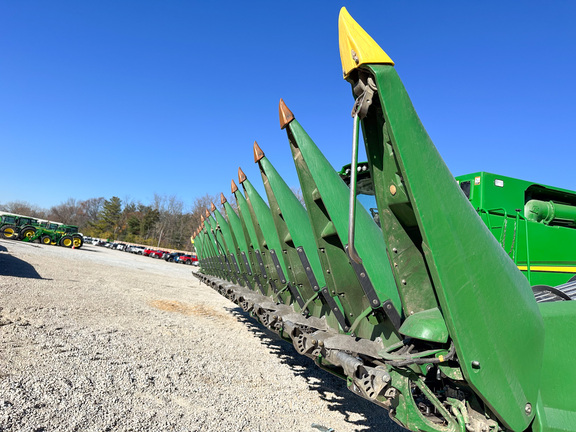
x=99, y=340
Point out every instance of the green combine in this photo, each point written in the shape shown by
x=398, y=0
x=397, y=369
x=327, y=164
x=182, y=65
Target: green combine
x=454, y=310
x=534, y=223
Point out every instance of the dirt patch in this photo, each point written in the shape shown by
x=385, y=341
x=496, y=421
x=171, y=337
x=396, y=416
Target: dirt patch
x=189, y=309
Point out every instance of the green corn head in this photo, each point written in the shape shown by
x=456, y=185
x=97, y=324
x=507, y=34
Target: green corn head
x=428, y=312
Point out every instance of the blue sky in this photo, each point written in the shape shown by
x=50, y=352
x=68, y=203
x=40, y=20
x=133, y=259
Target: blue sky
x=132, y=98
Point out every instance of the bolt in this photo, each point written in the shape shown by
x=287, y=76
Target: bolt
x=476, y=364
x=394, y=250
x=374, y=302
x=388, y=306
x=354, y=56
x=392, y=190
x=362, y=274
x=528, y=409
x=403, y=281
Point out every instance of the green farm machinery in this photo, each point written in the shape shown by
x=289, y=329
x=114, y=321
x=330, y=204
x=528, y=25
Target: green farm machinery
x=452, y=310
x=60, y=237
x=17, y=227
x=28, y=229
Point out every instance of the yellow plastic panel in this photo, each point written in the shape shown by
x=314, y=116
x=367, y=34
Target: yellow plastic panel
x=356, y=46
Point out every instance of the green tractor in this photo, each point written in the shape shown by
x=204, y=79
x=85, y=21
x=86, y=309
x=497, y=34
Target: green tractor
x=59, y=234
x=28, y=229
x=70, y=236
x=15, y=227
x=55, y=237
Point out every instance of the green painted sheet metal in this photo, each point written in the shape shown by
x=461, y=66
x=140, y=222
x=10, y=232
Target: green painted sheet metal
x=556, y=410
x=543, y=250
x=268, y=243
x=216, y=245
x=225, y=245
x=488, y=305
x=253, y=245
x=202, y=254
x=209, y=253
x=225, y=230
x=240, y=246
x=398, y=220
x=334, y=192
x=294, y=215
x=265, y=220
x=294, y=231
x=342, y=281
x=236, y=228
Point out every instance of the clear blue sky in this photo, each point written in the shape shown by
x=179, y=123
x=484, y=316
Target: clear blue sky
x=132, y=98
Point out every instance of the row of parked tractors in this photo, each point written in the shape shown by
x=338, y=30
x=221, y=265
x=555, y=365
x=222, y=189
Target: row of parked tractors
x=28, y=229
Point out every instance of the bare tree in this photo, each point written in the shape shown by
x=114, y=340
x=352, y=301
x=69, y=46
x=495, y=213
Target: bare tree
x=24, y=208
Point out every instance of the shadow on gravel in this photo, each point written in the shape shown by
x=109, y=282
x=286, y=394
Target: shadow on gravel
x=3, y=249
x=357, y=411
x=12, y=266
x=83, y=249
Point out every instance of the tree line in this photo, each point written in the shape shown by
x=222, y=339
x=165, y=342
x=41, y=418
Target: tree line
x=163, y=223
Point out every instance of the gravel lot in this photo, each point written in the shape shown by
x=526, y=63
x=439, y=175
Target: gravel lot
x=99, y=340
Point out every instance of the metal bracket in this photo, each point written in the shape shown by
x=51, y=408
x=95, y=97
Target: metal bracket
x=273, y=285
x=392, y=314
x=365, y=282
x=296, y=295
x=335, y=309
x=276, y=262
x=227, y=261
x=365, y=89
x=261, y=264
x=307, y=268
x=235, y=263
x=257, y=279
x=246, y=263
x=248, y=284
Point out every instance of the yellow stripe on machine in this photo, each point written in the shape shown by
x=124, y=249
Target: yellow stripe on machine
x=551, y=269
